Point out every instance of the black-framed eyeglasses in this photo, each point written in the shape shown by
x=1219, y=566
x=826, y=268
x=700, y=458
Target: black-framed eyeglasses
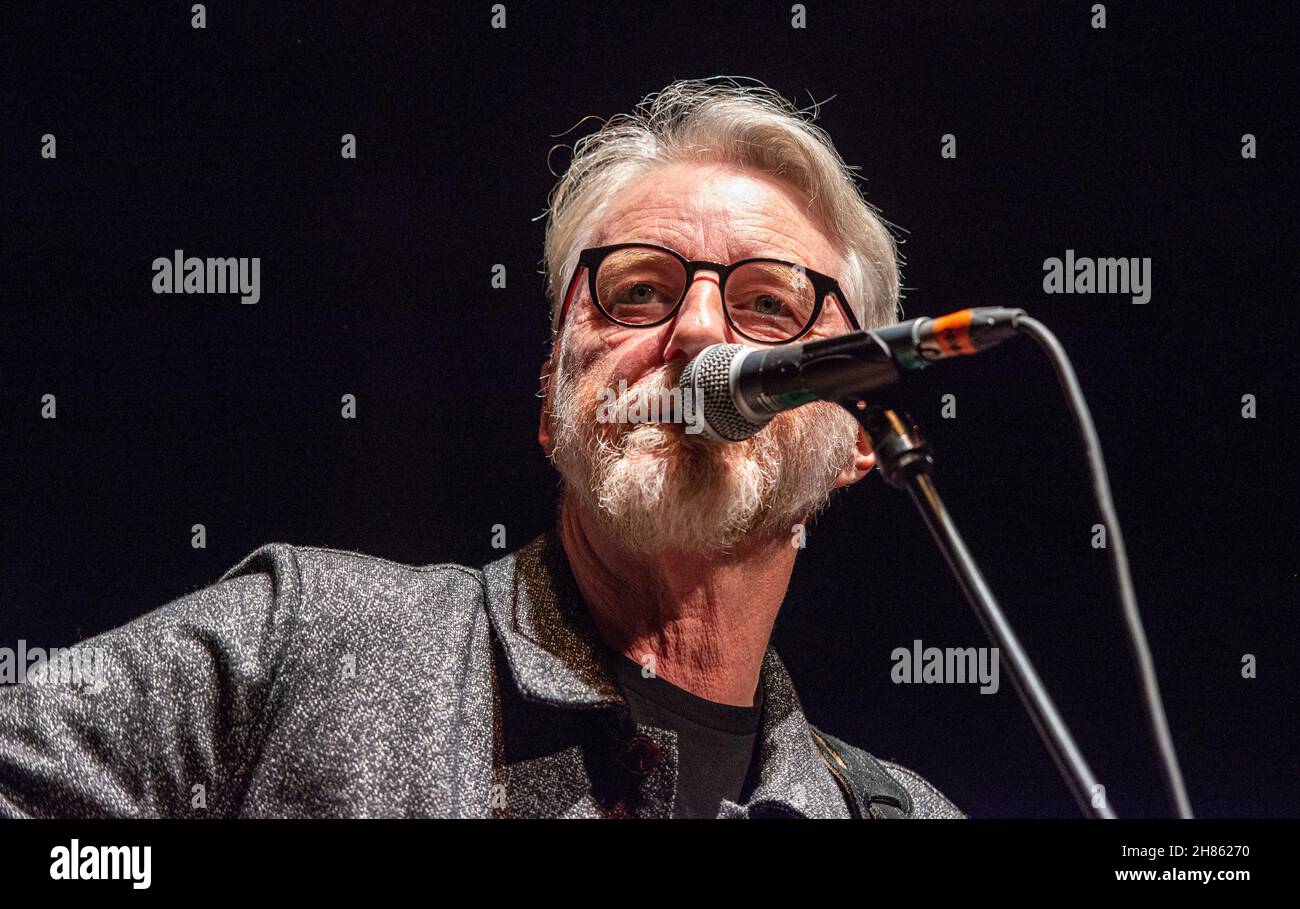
x=767, y=301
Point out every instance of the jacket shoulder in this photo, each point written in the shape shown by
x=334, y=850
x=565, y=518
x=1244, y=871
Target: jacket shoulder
x=367, y=585
x=402, y=620
x=877, y=788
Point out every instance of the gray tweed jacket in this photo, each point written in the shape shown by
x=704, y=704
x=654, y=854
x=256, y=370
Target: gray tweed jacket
x=311, y=682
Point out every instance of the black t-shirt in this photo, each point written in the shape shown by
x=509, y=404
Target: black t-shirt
x=715, y=742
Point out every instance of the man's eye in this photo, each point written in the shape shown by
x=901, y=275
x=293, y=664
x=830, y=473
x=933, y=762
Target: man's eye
x=640, y=295
x=768, y=305
x=643, y=295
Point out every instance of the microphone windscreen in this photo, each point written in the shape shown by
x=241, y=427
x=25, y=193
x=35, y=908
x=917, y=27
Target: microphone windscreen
x=708, y=395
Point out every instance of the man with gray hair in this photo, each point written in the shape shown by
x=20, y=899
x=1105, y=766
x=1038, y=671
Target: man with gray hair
x=617, y=666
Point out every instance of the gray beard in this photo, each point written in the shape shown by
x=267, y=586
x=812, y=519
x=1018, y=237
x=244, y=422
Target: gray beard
x=656, y=488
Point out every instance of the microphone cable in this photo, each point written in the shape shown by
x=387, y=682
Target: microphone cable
x=1137, y=638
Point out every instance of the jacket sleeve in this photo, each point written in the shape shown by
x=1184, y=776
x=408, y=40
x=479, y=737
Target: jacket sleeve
x=159, y=718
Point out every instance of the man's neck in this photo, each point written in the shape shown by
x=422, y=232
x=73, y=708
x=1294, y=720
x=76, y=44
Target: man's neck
x=704, y=619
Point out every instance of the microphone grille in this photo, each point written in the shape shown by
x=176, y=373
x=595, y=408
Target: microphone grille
x=712, y=405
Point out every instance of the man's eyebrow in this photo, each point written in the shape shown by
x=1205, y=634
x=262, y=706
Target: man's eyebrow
x=744, y=250
x=768, y=252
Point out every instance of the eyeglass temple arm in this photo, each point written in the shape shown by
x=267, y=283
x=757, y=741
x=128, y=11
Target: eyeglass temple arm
x=568, y=299
x=847, y=310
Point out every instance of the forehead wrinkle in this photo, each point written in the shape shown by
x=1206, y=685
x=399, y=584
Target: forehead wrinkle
x=752, y=241
x=625, y=226
x=766, y=224
x=670, y=232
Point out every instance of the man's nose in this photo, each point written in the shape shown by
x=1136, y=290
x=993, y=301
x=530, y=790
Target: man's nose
x=700, y=321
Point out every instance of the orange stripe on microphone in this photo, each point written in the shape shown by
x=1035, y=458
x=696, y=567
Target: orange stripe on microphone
x=952, y=333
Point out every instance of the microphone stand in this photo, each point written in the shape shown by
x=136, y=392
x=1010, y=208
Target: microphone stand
x=905, y=462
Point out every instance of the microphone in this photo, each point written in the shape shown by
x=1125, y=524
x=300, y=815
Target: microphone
x=734, y=390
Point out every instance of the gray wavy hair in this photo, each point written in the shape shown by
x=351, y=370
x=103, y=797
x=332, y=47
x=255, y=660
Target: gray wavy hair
x=721, y=120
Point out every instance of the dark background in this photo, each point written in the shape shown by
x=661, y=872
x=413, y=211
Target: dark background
x=176, y=410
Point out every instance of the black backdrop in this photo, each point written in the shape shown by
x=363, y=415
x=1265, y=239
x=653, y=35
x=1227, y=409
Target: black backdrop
x=177, y=410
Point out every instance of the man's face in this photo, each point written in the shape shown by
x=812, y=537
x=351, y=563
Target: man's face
x=656, y=487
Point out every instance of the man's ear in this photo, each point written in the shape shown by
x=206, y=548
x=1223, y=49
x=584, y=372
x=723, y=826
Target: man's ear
x=863, y=461
x=544, y=392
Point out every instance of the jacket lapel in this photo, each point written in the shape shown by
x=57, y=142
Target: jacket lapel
x=556, y=658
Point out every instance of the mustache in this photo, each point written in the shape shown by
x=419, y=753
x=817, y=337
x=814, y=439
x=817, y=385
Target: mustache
x=645, y=422
x=653, y=398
